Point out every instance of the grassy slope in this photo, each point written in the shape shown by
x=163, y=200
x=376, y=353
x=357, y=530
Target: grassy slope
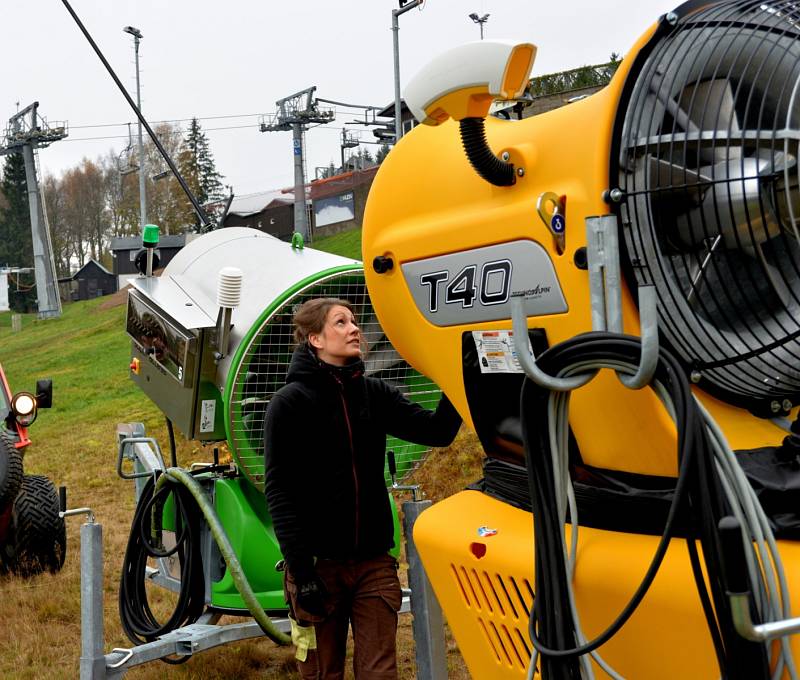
x=86, y=352
x=346, y=244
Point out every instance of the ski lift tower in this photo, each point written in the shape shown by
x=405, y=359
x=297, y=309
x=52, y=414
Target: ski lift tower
x=295, y=113
x=27, y=132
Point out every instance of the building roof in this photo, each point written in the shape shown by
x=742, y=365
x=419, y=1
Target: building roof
x=135, y=242
x=388, y=110
x=330, y=186
x=100, y=266
x=250, y=204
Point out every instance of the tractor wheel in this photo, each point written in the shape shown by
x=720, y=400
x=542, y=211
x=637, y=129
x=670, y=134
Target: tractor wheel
x=37, y=538
x=10, y=471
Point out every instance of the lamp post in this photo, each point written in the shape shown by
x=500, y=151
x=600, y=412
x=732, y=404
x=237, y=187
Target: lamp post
x=137, y=37
x=479, y=20
x=405, y=5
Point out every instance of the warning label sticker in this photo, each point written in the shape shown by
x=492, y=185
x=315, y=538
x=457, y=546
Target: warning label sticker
x=496, y=353
x=208, y=409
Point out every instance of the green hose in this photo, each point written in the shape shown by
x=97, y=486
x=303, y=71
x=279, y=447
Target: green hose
x=228, y=554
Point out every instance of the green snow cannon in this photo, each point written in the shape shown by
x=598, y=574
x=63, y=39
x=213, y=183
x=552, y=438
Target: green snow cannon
x=212, y=341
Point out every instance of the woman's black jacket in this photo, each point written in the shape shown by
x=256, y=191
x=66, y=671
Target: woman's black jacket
x=324, y=455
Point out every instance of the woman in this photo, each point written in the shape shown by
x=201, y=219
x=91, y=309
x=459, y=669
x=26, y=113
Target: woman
x=324, y=443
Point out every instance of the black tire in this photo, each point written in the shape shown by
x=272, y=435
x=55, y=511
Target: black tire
x=11, y=472
x=37, y=538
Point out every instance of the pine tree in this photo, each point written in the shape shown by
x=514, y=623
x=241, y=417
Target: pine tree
x=16, y=242
x=383, y=151
x=16, y=245
x=196, y=164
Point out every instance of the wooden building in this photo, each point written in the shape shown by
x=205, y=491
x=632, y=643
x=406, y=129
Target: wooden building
x=268, y=211
x=90, y=281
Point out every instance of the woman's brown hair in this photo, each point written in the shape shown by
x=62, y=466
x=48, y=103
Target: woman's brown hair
x=311, y=315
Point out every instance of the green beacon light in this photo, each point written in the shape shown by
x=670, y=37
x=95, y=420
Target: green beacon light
x=150, y=242
x=150, y=236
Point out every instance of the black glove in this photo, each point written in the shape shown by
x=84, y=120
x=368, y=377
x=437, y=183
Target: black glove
x=312, y=595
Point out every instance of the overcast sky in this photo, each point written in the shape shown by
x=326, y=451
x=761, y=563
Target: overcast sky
x=228, y=61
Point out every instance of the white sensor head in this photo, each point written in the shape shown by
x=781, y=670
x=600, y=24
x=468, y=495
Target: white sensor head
x=229, y=287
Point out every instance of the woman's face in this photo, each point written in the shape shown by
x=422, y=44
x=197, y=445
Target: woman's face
x=340, y=339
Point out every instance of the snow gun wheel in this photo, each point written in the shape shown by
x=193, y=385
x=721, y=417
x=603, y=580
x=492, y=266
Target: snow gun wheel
x=37, y=538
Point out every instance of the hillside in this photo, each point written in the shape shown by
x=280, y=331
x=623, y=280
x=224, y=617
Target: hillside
x=86, y=352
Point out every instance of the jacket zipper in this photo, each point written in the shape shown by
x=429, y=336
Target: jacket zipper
x=353, y=462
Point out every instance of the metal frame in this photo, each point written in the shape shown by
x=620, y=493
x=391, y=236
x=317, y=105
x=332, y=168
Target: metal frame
x=95, y=664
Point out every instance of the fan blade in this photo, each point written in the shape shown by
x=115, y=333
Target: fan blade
x=676, y=182
x=710, y=106
x=774, y=277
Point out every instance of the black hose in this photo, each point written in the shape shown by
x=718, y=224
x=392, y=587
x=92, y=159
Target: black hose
x=173, y=454
x=486, y=164
x=697, y=492
x=138, y=620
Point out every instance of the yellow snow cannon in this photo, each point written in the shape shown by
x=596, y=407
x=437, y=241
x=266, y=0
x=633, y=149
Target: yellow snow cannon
x=690, y=153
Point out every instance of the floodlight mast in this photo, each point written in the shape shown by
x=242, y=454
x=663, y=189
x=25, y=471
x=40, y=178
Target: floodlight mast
x=205, y=223
x=27, y=132
x=295, y=113
x=137, y=37
x=405, y=6
x=479, y=20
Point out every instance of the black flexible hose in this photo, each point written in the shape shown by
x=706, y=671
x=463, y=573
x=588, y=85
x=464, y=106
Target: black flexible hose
x=138, y=620
x=696, y=487
x=173, y=454
x=481, y=157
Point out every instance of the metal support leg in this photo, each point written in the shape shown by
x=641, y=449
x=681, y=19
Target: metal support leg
x=93, y=660
x=428, y=623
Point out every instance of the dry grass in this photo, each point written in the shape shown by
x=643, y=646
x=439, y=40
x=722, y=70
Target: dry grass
x=87, y=353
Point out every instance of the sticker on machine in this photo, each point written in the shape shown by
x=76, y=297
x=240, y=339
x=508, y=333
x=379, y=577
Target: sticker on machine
x=496, y=353
x=208, y=409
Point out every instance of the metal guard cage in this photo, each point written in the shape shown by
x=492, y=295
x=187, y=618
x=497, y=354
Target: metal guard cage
x=259, y=368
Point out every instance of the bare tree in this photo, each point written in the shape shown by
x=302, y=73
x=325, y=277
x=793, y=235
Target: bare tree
x=85, y=212
x=165, y=197
x=54, y=203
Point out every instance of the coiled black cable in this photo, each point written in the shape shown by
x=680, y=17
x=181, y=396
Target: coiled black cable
x=138, y=620
x=552, y=629
x=481, y=157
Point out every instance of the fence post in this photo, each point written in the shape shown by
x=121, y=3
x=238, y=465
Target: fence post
x=428, y=622
x=93, y=660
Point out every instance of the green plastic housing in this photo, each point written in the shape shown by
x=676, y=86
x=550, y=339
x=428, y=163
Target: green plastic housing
x=243, y=512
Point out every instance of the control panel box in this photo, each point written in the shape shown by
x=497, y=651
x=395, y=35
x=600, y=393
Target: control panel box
x=173, y=360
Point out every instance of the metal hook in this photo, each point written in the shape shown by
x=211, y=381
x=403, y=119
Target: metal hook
x=648, y=319
x=528, y=361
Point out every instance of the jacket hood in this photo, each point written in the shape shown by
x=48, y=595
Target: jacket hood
x=306, y=366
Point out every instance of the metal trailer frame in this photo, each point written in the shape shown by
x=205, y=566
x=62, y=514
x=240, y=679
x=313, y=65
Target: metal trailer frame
x=206, y=633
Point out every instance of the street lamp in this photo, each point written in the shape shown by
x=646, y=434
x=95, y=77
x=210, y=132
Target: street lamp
x=137, y=37
x=479, y=20
x=405, y=5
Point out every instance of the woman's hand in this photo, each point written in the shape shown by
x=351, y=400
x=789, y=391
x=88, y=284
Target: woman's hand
x=312, y=595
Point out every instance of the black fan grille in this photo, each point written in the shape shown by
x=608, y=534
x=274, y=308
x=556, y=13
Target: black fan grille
x=708, y=163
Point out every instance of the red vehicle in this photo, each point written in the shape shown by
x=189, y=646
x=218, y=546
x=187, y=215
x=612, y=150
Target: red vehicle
x=32, y=536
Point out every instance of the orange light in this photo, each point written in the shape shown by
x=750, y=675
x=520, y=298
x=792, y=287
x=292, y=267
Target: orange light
x=135, y=366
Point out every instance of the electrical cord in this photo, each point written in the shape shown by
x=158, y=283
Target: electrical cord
x=138, y=620
x=773, y=597
x=193, y=508
x=697, y=485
